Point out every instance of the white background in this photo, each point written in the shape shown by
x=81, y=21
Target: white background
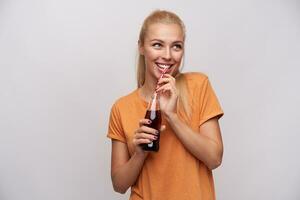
x=63, y=64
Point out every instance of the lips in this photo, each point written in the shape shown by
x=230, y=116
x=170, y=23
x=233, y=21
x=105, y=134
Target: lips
x=163, y=66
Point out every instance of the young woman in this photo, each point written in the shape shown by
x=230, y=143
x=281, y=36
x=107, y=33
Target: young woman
x=190, y=141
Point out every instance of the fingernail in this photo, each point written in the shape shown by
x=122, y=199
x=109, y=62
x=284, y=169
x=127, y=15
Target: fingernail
x=155, y=137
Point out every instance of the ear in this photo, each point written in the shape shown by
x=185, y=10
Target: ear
x=141, y=48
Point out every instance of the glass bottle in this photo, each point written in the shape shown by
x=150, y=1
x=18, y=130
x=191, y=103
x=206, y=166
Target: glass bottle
x=154, y=114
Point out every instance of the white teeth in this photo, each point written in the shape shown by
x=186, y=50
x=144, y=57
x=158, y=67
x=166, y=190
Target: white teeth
x=164, y=66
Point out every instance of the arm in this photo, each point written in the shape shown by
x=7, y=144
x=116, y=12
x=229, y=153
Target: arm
x=206, y=143
x=124, y=170
x=206, y=146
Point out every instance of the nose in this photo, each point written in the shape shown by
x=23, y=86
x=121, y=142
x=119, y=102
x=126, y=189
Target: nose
x=167, y=54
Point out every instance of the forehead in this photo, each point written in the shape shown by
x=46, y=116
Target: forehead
x=164, y=32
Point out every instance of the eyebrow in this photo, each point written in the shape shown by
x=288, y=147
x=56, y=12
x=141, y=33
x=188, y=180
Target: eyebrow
x=179, y=41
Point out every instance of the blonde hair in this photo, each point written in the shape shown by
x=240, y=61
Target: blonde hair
x=167, y=17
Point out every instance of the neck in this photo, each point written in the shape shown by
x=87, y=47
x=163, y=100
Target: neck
x=148, y=89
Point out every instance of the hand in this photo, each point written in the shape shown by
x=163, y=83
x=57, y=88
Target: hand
x=168, y=94
x=145, y=135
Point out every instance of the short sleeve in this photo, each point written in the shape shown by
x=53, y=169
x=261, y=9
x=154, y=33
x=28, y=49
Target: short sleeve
x=209, y=104
x=115, y=129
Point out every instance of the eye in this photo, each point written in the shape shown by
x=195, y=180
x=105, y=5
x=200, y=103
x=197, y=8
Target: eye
x=177, y=46
x=156, y=45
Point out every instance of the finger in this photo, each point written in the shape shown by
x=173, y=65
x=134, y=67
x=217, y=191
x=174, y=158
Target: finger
x=166, y=87
x=141, y=141
x=143, y=122
x=146, y=136
x=162, y=128
x=166, y=80
x=148, y=130
x=170, y=77
x=163, y=80
x=167, y=75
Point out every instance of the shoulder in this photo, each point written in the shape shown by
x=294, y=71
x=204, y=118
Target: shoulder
x=125, y=101
x=195, y=78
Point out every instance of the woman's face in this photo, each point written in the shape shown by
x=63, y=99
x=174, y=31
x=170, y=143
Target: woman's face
x=163, y=47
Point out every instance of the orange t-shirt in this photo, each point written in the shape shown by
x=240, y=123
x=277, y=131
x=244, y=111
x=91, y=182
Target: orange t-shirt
x=172, y=173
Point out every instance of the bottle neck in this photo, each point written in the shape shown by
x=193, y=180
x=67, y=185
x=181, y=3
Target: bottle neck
x=154, y=103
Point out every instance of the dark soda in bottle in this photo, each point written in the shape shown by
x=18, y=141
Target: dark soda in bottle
x=153, y=113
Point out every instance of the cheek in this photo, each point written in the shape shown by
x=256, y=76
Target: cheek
x=178, y=56
x=150, y=54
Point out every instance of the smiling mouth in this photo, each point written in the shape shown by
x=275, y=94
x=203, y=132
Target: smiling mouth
x=164, y=66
